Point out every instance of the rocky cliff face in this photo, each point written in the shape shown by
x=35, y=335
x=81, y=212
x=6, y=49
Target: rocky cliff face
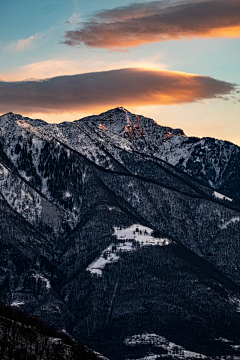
x=102, y=236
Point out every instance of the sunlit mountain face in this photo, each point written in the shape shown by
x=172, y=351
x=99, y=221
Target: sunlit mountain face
x=122, y=232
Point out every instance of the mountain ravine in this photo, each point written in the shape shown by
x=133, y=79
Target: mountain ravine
x=123, y=233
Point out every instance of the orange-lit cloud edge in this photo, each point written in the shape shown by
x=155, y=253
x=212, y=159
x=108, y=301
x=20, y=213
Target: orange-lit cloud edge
x=119, y=41
x=99, y=91
x=140, y=23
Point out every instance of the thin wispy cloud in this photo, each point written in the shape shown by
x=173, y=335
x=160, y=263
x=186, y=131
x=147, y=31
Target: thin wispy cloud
x=74, y=19
x=42, y=69
x=99, y=90
x=62, y=66
x=23, y=44
x=141, y=23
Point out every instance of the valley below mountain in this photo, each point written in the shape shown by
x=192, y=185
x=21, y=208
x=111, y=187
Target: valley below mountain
x=123, y=233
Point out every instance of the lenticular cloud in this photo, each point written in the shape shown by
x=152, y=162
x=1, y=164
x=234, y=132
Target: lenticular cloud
x=130, y=87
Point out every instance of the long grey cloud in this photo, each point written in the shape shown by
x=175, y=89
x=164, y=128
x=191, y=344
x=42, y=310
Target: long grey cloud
x=155, y=21
x=123, y=87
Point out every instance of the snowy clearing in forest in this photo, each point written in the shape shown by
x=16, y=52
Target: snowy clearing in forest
x=141, y=234
x=129, y=239
x=106, y=257
x=161, y=342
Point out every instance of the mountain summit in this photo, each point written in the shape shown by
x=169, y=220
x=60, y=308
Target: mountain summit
x=122, y=122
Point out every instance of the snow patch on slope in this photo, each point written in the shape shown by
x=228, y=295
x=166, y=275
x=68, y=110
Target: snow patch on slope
x=231, y=221
x=143, y=235
x=130, y=239
x=161, y=342
x=17, y=303
x=43, y=279
x=235, y=301
x=219, y=196
x=106, y=257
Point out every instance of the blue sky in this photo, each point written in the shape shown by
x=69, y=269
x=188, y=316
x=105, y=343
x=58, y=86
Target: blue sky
x=31, y=48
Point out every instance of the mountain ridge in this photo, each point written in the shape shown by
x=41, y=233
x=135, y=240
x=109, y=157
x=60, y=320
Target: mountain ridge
x=187, y=159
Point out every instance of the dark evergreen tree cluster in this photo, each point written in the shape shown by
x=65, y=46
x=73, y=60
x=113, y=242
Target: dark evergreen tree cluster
x=28, y=338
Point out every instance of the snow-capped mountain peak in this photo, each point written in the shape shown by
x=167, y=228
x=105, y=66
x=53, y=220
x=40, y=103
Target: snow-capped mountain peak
x=209, y=160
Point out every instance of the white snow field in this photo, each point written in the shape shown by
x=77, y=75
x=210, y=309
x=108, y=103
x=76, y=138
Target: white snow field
x=129, y=239
x=161, y=342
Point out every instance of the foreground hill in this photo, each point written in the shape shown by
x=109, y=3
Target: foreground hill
x=102, y=237
x=25, y=337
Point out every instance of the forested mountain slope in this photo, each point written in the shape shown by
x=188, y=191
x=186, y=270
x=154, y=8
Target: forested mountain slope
x=104, y=238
